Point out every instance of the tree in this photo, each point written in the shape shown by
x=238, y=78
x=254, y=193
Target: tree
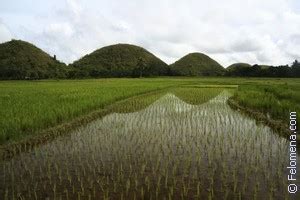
x=284, y=71
x=139, y=70
x=141, y=66
x=295, y=69
x=255, y=71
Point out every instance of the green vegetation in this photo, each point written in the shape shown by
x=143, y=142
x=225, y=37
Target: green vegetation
x=237, y=69
x=143, y=138
x=167, y=150
x=28, y=107
x=276, y=101
x=246, y=70
x=22, y=60
x=49, y=103
x=197, y=64
x=237, y=66
x=120, y=60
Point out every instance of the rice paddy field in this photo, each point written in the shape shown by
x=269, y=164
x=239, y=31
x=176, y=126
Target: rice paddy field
x=162, y=138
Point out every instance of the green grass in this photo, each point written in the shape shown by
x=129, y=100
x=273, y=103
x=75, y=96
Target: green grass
x=277, y=101
x=196, y=64
x=22, y=60
x=28, y=107
x=120, y=60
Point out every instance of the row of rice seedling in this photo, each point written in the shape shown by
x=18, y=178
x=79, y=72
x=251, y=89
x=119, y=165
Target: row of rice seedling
x=168, y=150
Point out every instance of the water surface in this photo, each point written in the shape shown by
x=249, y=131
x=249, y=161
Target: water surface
x=170, y=149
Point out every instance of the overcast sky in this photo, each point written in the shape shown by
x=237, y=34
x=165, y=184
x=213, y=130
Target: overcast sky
x=229, y=31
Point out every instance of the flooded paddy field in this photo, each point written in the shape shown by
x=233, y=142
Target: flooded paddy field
x=183, y=143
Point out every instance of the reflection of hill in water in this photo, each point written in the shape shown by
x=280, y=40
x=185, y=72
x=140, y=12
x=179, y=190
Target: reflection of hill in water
x=171, y=105
x=213, y=116
x=171, y=101
x=171, y=115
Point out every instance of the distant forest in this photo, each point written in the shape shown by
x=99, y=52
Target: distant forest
x=266, y=71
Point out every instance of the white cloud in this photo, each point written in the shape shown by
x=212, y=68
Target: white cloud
x=232, y=31
x=5, y=34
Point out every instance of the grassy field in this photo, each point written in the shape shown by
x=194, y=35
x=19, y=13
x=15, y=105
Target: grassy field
x=28, y=107
x=275, y=100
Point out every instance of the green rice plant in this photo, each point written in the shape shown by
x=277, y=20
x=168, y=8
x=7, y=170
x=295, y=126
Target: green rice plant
x=276, y=100
x=53, y=102
x=142, y=193
x=168, y=149
x=127, y=186
x=67, y=194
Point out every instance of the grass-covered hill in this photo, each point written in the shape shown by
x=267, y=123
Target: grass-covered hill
x=22, y=60
x=120, y=60
x=197, y=64
x=237, y=66
x=237, y=69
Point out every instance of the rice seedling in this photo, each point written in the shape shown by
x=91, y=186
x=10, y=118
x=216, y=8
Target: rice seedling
x=164, y=150
x=53, y=102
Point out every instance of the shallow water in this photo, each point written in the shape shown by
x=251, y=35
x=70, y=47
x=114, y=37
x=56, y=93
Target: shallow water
x=171, y=149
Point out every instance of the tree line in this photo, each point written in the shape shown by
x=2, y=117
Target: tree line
x=267, y=71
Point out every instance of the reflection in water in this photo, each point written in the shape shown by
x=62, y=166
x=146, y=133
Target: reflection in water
x=170, y=150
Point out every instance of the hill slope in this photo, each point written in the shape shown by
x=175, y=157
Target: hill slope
x=197, y=64
x=238, y=69
x=237, y=66
x=22, y=60
x=120, y=60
